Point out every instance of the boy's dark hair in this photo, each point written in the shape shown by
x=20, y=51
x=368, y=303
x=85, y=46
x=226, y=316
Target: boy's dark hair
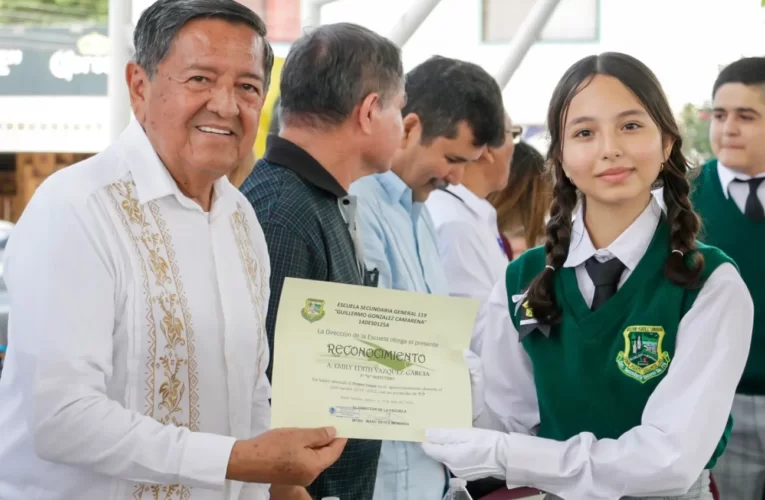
x=747, y=71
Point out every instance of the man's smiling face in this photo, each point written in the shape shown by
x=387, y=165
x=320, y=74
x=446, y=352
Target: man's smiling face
x=202, y=106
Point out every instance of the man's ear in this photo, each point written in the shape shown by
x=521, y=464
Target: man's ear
x=412, y=130
x=368, y=110
x=487, y=156
x=137, y=81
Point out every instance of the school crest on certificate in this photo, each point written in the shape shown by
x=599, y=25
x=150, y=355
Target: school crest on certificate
x=313, y=310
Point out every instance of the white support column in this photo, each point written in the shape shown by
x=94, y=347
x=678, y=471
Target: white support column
x=310, y=12
x=120, y=31
x=411, y=20
x=524, y=38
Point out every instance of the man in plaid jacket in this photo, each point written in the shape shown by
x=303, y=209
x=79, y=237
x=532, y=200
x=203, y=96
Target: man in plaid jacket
x=340, y=116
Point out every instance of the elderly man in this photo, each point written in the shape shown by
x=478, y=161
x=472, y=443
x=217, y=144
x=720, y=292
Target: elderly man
x=139, y=284
x=453, y=112
x=340, y=112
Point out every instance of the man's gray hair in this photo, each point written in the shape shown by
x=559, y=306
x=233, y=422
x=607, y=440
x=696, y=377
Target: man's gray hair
x=332, y=68
x=160, y=23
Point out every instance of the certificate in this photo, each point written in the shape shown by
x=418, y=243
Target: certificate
x=372, y=362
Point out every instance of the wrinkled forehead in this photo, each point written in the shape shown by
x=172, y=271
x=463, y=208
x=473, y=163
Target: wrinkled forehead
x=218, y=40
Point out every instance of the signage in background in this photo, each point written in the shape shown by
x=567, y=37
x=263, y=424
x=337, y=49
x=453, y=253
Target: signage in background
x=42, y=61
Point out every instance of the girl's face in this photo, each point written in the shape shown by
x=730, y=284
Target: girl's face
x=611, y=148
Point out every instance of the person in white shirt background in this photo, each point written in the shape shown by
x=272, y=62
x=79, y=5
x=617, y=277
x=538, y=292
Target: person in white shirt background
x=469, y=244
x=138, y=282
x=612, y=354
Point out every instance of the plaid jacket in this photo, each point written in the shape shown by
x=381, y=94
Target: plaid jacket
x=296, y=201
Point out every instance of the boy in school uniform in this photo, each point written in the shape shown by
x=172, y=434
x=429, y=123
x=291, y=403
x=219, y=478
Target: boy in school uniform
x=729, y=196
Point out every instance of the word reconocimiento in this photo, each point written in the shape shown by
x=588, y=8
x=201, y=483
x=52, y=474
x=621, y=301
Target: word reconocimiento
x=380, y=316
x=375, y=353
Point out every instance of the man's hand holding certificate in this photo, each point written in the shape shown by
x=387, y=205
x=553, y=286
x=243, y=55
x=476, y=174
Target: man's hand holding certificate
x=373, y=363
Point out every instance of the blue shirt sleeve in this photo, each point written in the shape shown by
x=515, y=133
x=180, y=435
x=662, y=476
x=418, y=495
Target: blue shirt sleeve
x=374, y=242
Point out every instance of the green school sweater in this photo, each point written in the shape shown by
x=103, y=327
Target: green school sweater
x=597, y=369
x=727, y=228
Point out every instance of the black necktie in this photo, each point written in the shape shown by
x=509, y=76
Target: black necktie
x=753, y=208
x=605, y=276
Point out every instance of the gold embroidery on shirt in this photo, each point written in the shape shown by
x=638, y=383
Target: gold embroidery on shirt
x=193, y=417
x=176, y=401
x=257, y=281
x=125, y=192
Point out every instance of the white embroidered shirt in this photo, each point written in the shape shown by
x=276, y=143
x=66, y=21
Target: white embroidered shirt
x=137, y=347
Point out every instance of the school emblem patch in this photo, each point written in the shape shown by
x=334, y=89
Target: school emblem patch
x=528, y=312
x=313, y=310
x=643, y=358
x=527, y=322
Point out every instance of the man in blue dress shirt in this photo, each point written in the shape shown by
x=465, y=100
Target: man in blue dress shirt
x=454, y=111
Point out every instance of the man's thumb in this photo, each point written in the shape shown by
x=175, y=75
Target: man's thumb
x=330, y=453
x=318, y=438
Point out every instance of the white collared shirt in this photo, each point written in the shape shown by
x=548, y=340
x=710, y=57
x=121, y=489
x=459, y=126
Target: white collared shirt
x=137, y=342
x=469, y=244
x=737, y=190
x=684, y=417
x=626, y=247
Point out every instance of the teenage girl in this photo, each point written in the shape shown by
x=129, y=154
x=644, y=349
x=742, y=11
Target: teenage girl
x=611, y=355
